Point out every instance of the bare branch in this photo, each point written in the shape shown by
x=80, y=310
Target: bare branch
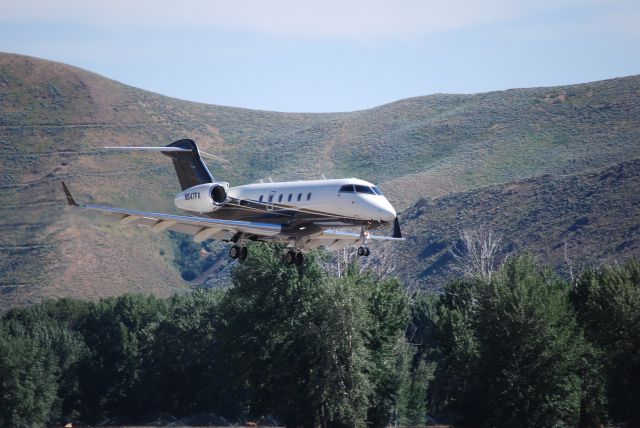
x=381, y=262
x=476, y=253
x=568, y=261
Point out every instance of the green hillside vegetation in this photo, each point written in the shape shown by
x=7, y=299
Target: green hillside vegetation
x=568, y=222
x=520, y=348
x=55, y=118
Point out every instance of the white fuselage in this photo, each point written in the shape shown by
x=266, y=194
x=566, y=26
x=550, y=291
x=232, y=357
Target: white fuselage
x=327, y=197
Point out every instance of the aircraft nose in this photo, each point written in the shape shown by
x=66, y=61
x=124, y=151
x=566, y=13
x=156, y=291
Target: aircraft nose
x=387, y=213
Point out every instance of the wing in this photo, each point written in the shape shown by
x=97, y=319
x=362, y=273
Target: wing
x=337, y=240
x=201, y=228
x=209, y=228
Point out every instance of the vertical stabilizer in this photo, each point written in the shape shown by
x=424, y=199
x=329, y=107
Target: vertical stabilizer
x=189, y=166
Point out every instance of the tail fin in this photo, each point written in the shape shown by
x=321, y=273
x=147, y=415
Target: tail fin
x=189, y=166
x=186, y=158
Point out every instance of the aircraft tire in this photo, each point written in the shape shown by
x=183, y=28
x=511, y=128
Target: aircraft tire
x=290, y=257
x=234, y=252
x=366, y=251
x=244, y=252
x=299, y=259
x=361, y=251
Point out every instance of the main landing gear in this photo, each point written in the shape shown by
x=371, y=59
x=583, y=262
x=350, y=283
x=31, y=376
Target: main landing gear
x=238, y=252
x=294, y=257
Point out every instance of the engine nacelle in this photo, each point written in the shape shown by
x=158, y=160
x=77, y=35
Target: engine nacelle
x=203, y=198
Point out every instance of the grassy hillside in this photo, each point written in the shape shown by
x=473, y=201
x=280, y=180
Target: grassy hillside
x=54, y=119
x=573, y=221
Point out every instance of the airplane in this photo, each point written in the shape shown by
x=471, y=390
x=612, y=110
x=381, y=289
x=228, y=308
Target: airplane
x=303, y=215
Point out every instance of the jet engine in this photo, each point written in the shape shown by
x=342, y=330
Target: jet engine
x=203, y=198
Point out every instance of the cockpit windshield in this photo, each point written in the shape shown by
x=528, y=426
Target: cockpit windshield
x=364, y=189
x=358, y=188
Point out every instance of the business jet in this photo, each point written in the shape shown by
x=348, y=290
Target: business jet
x=303, y=215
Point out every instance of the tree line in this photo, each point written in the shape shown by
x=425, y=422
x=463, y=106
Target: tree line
x=520, y=347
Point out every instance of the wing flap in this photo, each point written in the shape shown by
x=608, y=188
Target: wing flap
x=163, y=225
x=185, y=228
x=186, y=224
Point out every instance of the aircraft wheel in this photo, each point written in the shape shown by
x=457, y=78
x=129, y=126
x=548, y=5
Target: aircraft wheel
x=243, y=254
x=361, y=251
x=234, y=252
x=299, y=259
x=366, y=251
x=290, y=257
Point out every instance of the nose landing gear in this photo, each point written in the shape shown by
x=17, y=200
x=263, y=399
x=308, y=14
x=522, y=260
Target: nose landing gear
x=364, y=251
x=364, y=235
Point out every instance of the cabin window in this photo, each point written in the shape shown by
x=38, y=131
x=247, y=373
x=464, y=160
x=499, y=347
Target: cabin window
x=260, y=198
x=364, y=189
x=271, y=198
x=299, y=196
x=280, y=197
x=347, y=188
x=290, y=196
x=376, y=190
x=309, y=196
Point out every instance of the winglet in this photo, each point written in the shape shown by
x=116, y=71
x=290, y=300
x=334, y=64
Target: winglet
x=70, y=200
x=396, y=229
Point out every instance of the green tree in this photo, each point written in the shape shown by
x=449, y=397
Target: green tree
x=27, y=380
x=455, y=386
x=50, y=326
x=412, y=396
x=119, y=334
x=341, y=364
x=422, y=356
x=608, y=305
x=512, y=351
x=312, y=349
x=268, y=331
x=530, y=347
x=385, y=341
x=184, y=372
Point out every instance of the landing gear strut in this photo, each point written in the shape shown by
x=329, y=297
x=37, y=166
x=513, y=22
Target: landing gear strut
x=364, y=235
x=294, y=257
x=238, y=252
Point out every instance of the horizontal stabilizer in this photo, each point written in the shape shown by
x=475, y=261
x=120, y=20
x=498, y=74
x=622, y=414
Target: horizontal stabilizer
x=165, y=150
x=187, y=160
x=210, y=156
x=150, y=149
